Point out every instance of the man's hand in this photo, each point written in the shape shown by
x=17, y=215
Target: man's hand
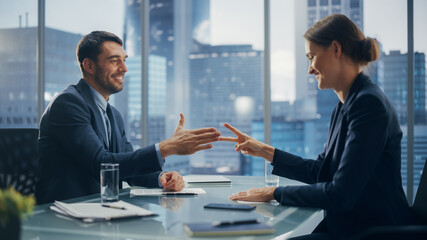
x=248, y=145
x=255, y=195
x=172, y=181
x=185, y=142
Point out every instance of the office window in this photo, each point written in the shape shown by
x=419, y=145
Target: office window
x=64, y=29
x=287, y=124
x=336, y=2
x=323, y=2
x=355, y=3
x=420, y=128
x=390, y=71
x=209, y=72
x=187, y=79
x=311, y=108
x=65, y=26
x=18, y=63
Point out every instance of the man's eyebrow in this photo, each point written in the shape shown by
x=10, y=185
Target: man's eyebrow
x=116, y=56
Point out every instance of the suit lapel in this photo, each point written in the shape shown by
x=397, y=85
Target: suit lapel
x=337, y=120
x=98, y=123
x=335, y=129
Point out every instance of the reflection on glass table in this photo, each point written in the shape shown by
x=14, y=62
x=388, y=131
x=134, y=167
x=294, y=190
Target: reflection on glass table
x=173, y=212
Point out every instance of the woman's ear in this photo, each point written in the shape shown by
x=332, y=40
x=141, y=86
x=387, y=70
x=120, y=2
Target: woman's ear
x=337, y=48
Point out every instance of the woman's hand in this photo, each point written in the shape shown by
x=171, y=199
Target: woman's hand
x=248, y=145
x=265, y=194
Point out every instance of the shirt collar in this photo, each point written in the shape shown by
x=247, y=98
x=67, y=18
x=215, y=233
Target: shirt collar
x=99, y=99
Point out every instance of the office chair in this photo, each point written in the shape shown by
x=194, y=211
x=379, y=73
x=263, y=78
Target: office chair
x=18, y=159
x=412, y=232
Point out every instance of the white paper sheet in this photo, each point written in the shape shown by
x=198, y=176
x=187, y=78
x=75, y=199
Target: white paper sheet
x=90, y=212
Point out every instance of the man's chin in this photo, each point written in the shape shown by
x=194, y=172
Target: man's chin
x=116, y=89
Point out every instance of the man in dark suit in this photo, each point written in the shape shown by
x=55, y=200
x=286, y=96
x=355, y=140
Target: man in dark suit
x=79, y=130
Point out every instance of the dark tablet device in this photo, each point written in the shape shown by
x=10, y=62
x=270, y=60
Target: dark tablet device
x=229, y=206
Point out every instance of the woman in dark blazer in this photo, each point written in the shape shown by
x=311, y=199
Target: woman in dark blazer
x=356, y=179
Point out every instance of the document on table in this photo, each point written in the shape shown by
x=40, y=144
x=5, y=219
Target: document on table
x=205, y=229
x=91, y=212
x=206, y=179
x=162, y=192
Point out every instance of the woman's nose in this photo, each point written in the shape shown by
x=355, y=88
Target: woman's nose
x=310, y=69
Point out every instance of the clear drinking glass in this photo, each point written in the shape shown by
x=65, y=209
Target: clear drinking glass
x=270, y=179
x=109, y=182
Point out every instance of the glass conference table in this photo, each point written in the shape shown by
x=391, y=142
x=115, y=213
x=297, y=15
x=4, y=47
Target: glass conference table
x=172, y=213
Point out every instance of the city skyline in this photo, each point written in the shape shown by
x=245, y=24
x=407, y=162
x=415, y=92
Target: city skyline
x=224, y=21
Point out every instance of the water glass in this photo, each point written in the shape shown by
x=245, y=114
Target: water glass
x=109, y=182
x=270, y=179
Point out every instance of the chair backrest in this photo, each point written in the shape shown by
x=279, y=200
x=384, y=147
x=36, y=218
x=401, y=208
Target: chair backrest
x=420, y=202
x=19, y=159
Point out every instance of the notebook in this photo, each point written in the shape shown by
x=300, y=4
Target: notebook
x=91, y=212
x=209, y=229
x=206, y=179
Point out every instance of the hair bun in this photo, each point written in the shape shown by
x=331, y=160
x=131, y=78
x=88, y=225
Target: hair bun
x=354, y=44
x=368, y=50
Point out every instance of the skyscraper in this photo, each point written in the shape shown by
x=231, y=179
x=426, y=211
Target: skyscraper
x=394, y=82
x=173, y=26
x=131, y=99
x=225, y=86
x=420, y=153
x=18, y=64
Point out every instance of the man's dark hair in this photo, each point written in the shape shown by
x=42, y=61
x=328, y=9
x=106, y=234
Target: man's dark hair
x=90, y=45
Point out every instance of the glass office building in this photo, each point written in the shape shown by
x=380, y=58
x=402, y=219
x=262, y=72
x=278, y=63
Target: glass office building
x=18, y=64
x=225, y=85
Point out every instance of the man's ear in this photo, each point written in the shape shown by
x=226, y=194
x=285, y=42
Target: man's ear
x=89, y=66
x=337, y=48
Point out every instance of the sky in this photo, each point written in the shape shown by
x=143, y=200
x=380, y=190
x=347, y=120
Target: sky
x=232, y=22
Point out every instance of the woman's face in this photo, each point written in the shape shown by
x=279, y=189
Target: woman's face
x=324, y=64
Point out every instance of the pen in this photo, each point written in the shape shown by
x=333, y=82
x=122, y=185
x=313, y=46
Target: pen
x=112, y=206
x=237, y=222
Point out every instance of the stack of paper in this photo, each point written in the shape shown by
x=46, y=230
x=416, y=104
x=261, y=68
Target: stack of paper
x=161, y=192
x=90, y=212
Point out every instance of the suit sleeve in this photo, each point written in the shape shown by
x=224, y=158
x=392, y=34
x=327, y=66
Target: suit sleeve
x=70, y=123
x=366, y=137
x=297, y=168
x=145, y=180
